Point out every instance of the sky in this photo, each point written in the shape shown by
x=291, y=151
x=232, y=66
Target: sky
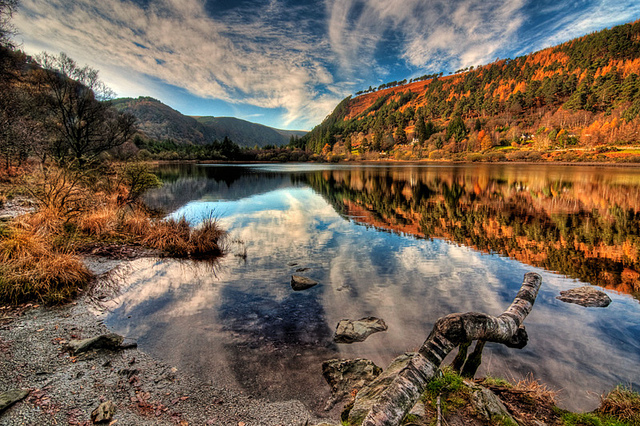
x=287, y=63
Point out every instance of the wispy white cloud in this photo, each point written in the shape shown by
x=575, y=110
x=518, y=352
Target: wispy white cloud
x=298, y=60
x=258, y=61
x=431, y=33
x=578, y=21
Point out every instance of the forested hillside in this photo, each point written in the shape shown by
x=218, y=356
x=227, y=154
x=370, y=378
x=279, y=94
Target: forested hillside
x=161, y=122
x=577, y=100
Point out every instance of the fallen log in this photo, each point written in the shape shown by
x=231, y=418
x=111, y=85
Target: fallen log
x=389, y=397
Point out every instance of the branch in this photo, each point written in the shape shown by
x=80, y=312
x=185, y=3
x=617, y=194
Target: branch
x=387, y=399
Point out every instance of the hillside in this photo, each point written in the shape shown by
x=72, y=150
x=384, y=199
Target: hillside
x=583, y=94
x=161, y=122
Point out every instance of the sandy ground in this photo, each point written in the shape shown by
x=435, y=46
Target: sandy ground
x=65, y=389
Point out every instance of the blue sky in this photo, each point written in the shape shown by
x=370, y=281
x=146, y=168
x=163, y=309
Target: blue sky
x=287, y=63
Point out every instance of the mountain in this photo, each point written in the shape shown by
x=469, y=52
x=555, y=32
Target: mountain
x=161, y=122
x=584, y=93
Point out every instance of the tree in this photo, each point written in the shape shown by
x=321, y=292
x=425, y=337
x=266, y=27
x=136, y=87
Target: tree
x=7, y=8
x=84, y=122
x=421, y=131
x=456, y=129
x=387, y=399
x=400, y=135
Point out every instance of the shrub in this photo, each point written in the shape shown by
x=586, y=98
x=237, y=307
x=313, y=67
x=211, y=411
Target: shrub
x=137, y=179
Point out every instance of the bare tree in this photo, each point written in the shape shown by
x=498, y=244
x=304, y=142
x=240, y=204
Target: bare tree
x=84, y=122
x=7, y=8
x=386, y=400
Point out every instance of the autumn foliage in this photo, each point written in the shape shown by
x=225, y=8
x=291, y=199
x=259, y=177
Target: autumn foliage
x=582, y=94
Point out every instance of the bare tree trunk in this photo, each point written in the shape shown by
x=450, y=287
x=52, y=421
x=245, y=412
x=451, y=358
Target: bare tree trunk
x=387, y=399
x=474, y=360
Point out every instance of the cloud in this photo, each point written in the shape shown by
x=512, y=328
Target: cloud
x=581, y=19
x=293, y=57
x=431, y=34
x=261, y=60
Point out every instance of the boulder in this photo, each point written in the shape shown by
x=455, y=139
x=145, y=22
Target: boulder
x=585, y=296
x=347, y=376
x=104, y=413
x=487, y=404
x=110, y=341
x=298, y=282
x=10, y=397
x=350, y=331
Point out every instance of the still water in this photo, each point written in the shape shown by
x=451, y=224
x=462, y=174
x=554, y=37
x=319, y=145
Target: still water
x=404, y=243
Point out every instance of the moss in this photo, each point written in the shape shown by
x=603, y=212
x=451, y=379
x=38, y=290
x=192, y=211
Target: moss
x=590, y=419
x=496, y=381
x=448, y=382
x=503, y=421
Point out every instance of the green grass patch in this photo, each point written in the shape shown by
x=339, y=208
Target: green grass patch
x=590, y=419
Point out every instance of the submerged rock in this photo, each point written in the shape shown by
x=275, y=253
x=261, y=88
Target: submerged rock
x=350, y=331
x=298, y=282
x=8, y=398
x=110, y=341
x=345, y=376
x=104, y=413
x=585, y=296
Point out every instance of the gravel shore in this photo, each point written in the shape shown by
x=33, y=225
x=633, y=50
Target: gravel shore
x=65, y=388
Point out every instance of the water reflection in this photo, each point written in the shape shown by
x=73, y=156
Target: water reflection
x=242, y=326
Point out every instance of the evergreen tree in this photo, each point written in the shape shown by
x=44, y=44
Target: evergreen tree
x=456, y=129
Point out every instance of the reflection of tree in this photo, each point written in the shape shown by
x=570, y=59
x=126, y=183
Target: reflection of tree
x=187, y=182
x=586, y=230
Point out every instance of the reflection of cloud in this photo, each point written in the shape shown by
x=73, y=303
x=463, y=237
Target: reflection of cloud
x=362, y=272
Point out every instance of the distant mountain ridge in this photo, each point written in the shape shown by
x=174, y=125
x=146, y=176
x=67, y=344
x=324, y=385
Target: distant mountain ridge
x=161, y=122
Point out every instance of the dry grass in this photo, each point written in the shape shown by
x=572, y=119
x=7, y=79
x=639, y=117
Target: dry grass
x=31, y=269
x=135, y=222
x=22, y=244
x=536, y=390
x=178, y=239
x=45, y=220
x=81, y=211
x=623, y=404
x=99, y=223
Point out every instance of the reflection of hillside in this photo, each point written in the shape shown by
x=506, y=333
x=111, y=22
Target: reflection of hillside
x=188, y=182
x=586, y=226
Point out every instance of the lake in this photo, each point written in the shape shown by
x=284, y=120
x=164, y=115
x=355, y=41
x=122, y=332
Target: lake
x=405, y=243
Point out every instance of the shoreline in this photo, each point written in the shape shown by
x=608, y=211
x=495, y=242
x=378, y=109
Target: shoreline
x=65, y=388
x=404, y=162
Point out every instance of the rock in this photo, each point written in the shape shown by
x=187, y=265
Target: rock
x=104, y=413
x=346, y=375
x=487, y=404
x=408, y=363
x=349, y=331
x=585, y=296
x=298, y=282
x=8, y=398
x=110, y=341
x=418, y=411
